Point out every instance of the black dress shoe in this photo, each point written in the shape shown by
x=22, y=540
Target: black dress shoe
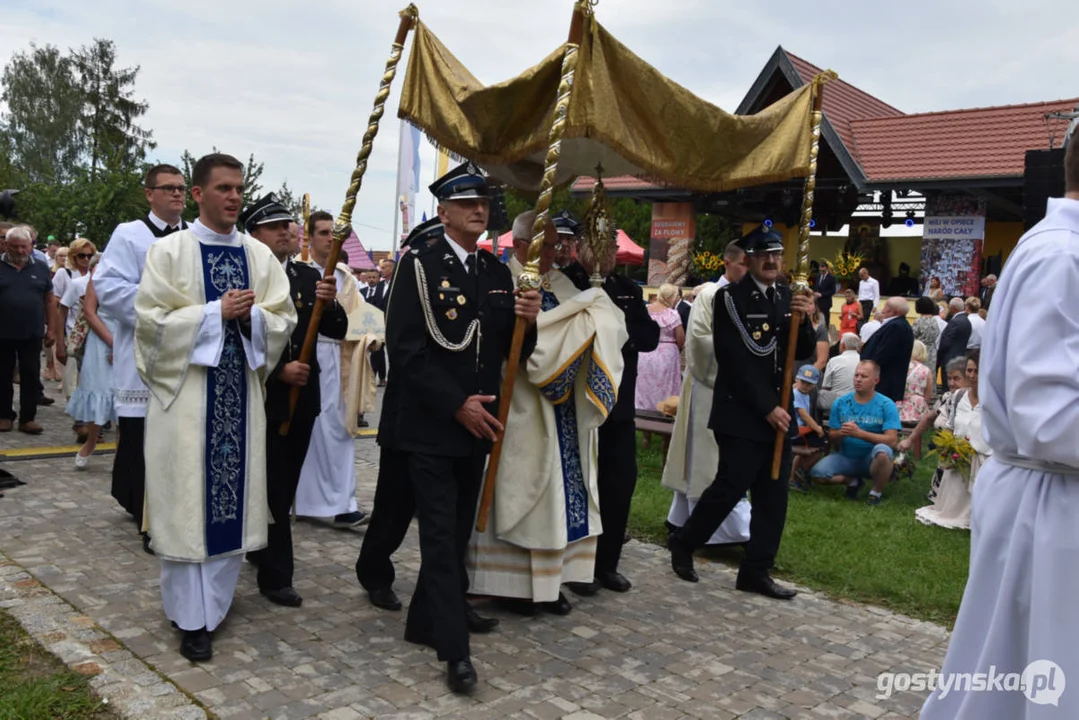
x=615, y=581
x=584, y=589
x=146, y=544
x=385, y=598
x=681, y=560
x=46, y=400
x=286, y=596
x=460, y=676
x=560, y=606
x=196, y=645
x=763, y=585
x=477, y=623
x=518, y=606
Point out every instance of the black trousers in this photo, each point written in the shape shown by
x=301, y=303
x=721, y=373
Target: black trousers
x=391, y=515
x=743, y=465
x=446, y=490
x=284, y=461
x=27, y=354
x=867, y=312
x=129, y=467
x=617, y=478
x=378, y=363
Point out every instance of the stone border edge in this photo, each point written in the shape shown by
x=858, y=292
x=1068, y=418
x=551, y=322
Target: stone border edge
x=121, y=679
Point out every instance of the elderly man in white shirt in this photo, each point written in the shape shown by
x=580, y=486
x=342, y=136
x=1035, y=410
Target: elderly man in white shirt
x=871, y=326
x=977, y=324
x=839, y=373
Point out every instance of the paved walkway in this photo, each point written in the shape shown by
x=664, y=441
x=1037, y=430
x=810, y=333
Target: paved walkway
x=667, y=649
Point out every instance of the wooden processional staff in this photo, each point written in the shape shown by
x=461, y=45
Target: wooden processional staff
x=530, y=278
x=343, y=227
x=801, y=266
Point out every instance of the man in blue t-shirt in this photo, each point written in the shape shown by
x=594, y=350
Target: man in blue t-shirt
x=866, y=426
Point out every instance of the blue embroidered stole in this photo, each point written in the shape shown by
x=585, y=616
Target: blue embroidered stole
x=561, y=394
x=225, y=268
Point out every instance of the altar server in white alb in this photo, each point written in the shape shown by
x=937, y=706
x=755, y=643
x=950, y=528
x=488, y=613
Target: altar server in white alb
x=545, y=518
x=212, y=316
x=115, y=282
x=693, y=454
x=1018, y=610
x=327, y=489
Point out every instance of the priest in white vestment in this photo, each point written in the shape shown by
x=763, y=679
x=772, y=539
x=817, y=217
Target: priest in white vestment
x=693, y=455
x=1018, y=611
x=545, y=517
x=212, y=315
x=327, y=489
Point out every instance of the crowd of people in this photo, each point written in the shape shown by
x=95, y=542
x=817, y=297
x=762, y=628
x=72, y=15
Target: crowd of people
x=191, y=339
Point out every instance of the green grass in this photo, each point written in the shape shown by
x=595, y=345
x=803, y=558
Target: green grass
x=848, y=550
x=34, y=684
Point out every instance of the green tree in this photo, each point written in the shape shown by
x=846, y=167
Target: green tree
x=286, y=197
x=40, y=128
x=109, y=112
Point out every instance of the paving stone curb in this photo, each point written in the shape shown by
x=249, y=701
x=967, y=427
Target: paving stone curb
x=128, y=685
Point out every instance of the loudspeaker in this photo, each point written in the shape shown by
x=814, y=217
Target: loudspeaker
x=1043, y=178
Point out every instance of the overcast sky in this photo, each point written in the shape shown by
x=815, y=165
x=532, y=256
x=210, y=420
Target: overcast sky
x=294, y=82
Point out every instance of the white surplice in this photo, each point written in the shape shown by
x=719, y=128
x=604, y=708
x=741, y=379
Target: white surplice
x=1023, y=584
x=115, y=281
x=328, y=479
x=178, y=336
x=693, y=455
x=545, y=518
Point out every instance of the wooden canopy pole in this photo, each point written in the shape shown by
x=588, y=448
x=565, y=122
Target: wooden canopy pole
x=801, y=284
x=343, y=227
x=530, y=278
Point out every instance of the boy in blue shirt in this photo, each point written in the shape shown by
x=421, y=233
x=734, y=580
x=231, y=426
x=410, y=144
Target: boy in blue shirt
x=866, y=425
x=810, y=434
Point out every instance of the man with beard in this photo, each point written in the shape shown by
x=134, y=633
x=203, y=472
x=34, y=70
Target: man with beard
x=751, y=322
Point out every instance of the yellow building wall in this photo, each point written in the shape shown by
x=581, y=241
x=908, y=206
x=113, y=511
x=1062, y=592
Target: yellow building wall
x=1001, y=237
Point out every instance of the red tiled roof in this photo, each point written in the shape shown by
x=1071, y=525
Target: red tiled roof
x=843, y=103
x=975, y=143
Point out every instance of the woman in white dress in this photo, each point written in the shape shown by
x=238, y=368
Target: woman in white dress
x=92, y=402
x=951, y=506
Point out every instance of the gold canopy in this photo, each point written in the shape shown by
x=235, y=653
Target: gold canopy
x=623, y=115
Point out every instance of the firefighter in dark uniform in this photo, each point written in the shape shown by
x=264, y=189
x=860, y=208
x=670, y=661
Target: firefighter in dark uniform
x=394, y=502
x=268, y=221
x=617, y=463
x=394, y=505
x=449, y=326
x=751, y=325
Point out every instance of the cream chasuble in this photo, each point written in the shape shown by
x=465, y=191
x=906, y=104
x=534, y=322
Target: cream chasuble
x=693, y=455
x=545, y=516
x=206, y=424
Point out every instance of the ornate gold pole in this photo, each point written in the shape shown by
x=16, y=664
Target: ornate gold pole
x=343, y=227
x=306, y=222
x=801, y=284
x=530, y=277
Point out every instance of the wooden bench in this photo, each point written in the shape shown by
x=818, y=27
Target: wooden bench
x=653, y=421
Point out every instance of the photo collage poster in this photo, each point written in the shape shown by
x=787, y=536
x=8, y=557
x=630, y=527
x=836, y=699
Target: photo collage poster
x=952, y=237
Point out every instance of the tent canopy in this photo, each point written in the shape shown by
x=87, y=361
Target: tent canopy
x=358, y=259
x=623, y=114
x=629, y=252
